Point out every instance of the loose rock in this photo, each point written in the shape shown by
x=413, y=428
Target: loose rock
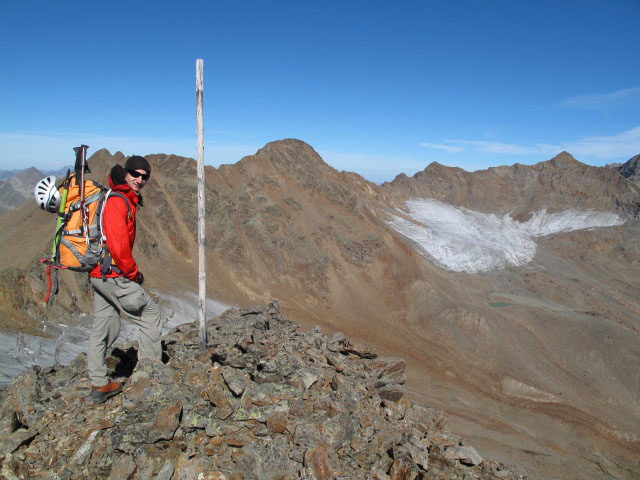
x=266, y=401
x=466, y=455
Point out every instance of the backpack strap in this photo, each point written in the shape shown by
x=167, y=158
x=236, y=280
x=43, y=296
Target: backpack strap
x=107, y=264
x=76, y=206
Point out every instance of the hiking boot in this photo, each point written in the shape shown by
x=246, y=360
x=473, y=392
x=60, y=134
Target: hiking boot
x=105, y=392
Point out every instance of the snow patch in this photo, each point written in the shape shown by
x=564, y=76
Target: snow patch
x=515, y=388
x=463, y=240
x=19, y=352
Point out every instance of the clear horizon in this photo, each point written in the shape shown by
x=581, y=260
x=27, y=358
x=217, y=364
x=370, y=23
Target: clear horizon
x=375, y=89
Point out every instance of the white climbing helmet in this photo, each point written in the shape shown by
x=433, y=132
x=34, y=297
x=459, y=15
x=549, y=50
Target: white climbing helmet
x=47, y=195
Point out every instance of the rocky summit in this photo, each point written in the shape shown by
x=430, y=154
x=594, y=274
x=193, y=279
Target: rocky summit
x=264, y=401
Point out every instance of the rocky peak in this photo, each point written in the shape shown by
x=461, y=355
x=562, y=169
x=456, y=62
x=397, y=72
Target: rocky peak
x=100, y=154
x=264, y=402
x=564, y=160
x=400, y=177
x=30, y=171
x=286, y=156
x=434, y=166
x=629, y=169
x=100, y=164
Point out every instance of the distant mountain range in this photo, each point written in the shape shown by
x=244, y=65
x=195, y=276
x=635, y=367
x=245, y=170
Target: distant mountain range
x=16, y=186
x=4, y=174
x=532, y=353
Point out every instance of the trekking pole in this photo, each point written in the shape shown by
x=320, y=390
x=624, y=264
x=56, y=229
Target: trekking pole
x=52, y=283
x=81, y=167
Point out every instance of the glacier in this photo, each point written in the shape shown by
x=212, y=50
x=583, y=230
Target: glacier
x=463, y=240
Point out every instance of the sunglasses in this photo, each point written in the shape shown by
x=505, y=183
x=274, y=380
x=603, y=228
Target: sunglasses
x=136, y=174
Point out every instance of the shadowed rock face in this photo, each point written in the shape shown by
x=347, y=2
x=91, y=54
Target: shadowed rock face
x=265, y=401
x=630, y=169
x=524, y=360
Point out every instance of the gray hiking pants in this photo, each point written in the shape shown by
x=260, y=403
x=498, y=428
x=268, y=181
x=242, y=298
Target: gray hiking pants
x=110, y=298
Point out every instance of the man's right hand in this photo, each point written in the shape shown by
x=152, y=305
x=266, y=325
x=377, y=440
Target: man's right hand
x=139, y=278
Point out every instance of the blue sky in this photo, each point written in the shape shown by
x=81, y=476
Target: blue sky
x=375, y=87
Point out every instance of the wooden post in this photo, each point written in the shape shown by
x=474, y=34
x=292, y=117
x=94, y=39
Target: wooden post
x=202, y=276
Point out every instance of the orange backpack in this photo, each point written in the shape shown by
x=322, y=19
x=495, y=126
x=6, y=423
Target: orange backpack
x=80, y=246
x=79, y=243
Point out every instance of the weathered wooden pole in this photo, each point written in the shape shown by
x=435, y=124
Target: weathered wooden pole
x=202, y=275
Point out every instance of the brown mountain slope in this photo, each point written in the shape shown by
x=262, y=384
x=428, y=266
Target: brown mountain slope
x=538, y=363
x=558, y=183
x=283, y=223
x=548, y=351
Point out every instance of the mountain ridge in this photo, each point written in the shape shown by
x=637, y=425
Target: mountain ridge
x=522, y=189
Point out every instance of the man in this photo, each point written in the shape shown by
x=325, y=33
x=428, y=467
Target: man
x=117, y=284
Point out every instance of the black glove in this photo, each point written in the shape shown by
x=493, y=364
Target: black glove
x=139, y=278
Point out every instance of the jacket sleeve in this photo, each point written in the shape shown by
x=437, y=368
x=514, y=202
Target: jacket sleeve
x=116, y=229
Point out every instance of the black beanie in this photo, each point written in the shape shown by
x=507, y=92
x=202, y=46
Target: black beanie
x=137, y=163
x=117, y=175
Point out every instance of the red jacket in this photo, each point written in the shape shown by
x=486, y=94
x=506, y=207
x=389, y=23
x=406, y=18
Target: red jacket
x=119, y=226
